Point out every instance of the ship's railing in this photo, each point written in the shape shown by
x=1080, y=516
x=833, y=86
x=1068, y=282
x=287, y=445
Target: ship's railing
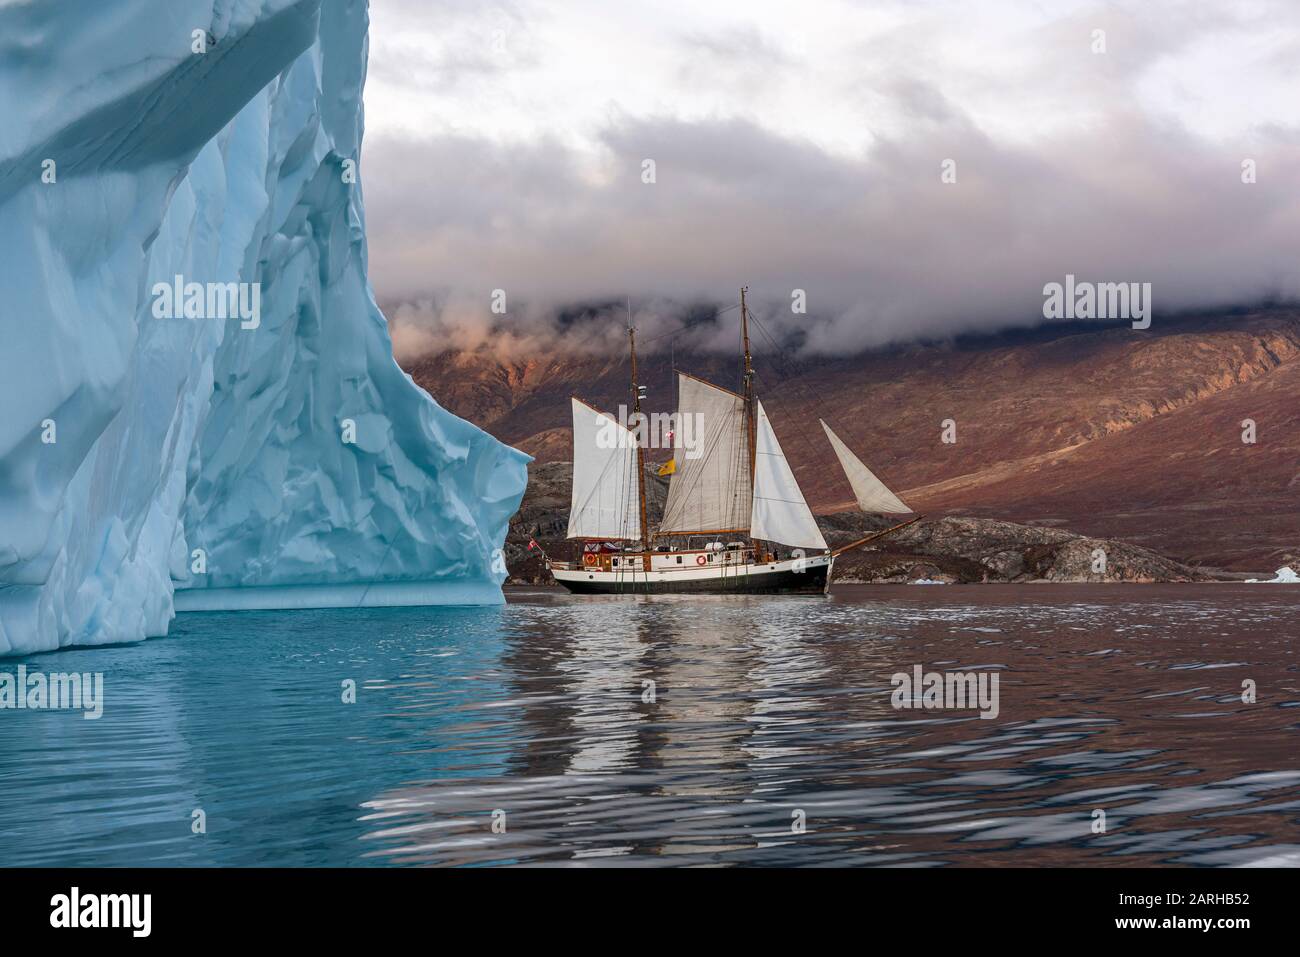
x=689, y=558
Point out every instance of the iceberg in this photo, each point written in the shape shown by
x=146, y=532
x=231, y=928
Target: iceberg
x=200, y=407
x=1283, y=576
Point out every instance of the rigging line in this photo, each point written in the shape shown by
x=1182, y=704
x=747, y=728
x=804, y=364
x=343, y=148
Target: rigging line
x=781, y=357
x=798, y=370
x=814, y=455
x=689, y=324
x=798, y=373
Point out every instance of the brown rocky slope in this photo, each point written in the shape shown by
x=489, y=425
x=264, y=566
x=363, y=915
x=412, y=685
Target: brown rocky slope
x=1112, y=432
x=944, y=549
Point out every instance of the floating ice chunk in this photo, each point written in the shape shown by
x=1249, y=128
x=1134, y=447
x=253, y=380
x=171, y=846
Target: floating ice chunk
x=1283, y=576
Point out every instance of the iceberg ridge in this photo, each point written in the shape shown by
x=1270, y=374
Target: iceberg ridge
x=276, y=460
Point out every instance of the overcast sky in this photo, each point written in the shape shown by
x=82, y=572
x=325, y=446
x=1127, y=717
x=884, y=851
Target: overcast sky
x=801, y=145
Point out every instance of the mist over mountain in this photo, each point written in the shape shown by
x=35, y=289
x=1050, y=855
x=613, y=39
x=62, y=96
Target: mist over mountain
x=1102, y=430
x=917, y=171
x=898, y=185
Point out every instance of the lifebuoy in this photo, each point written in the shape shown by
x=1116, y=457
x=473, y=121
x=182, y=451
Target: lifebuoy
x=588, y=558
x=701, y=560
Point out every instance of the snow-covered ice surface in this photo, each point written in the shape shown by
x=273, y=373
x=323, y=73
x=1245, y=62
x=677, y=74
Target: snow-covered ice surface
x=1283, y=576
x=135, y=449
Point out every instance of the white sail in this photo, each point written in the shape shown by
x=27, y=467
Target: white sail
x=780, y=513
x=871, y=493
x=606, y=500
x=710, y=492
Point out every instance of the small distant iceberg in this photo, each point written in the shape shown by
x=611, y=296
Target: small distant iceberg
x=1283, y=576
x=928, y=581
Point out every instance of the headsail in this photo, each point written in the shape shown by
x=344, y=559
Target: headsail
x=711, y=492
x=871, y=493
x=780, y=513
x=605, y=502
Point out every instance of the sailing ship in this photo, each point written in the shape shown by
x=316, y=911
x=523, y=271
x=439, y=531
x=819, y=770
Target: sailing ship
x=735, y=520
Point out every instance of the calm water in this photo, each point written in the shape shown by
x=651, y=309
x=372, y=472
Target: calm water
x=1124, y=699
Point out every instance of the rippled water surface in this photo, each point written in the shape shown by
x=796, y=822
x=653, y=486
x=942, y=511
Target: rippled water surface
x=763, y=712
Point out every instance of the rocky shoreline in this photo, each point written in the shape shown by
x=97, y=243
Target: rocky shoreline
x=941, y=548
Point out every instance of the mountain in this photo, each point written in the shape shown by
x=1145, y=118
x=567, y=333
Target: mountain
x=1108, y=431
x=944, y=548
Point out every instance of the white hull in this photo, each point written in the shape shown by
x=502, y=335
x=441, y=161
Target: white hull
x=792, y=575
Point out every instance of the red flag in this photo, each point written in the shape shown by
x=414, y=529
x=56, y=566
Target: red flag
x=532, y=544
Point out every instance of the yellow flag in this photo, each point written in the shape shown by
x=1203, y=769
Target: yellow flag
x=668, y=468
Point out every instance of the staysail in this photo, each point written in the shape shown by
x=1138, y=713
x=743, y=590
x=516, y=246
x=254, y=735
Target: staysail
x=709, y=491
x=604, y=503
x=780, y=513
x=871, y=493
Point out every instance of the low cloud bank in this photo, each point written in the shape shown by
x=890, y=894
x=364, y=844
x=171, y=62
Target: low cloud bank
x=978, y=178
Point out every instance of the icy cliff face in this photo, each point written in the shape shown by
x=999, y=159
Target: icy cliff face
x=278, y=457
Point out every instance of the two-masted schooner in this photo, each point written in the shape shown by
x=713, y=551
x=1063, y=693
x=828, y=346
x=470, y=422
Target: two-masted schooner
x=733, y=501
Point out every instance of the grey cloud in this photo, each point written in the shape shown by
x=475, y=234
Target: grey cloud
x=884, y=249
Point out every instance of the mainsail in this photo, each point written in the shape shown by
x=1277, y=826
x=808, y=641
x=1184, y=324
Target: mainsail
x=871, y=493
x=604, y=503
x=709, y=493
x=780, y=513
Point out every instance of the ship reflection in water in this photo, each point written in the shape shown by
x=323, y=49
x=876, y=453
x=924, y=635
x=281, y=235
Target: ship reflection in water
x=766, y=708
x=684, y=731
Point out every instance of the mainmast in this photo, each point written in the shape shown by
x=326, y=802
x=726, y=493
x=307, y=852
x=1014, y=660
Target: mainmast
x=640, y=453
x=747, y=390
